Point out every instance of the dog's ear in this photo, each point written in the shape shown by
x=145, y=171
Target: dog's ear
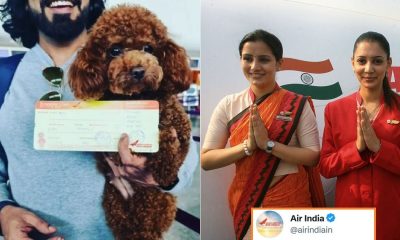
x=175, y=65
x=87, y=74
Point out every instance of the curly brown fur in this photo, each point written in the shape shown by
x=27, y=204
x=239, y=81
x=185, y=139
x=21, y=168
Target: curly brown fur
x=129, y=56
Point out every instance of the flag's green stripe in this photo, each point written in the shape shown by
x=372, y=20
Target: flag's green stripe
x=316, y=92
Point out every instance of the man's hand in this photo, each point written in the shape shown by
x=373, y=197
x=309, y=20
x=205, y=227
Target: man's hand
x=132, y=168
x=16, y=223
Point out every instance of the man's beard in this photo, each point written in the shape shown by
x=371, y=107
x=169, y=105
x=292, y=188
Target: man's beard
x=62, y=29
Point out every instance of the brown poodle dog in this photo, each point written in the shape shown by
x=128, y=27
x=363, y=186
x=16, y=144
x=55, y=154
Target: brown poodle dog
x=129, y=56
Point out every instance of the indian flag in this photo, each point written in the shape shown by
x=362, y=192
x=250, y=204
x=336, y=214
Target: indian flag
x=309, y=78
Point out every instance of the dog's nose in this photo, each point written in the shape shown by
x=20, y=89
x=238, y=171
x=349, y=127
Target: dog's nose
x=138, y=73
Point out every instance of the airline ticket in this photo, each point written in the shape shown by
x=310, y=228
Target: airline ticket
x=96, y=125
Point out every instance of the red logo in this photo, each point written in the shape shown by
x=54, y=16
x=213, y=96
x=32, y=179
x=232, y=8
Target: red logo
x=394, y=78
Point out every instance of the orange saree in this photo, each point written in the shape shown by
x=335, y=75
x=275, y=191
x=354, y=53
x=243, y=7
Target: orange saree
x=255, y=173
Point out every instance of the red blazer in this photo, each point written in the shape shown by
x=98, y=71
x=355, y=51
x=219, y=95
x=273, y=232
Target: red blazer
x=364, y=179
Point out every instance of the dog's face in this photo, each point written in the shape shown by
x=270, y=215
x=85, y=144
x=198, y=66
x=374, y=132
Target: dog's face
x=128, y=52
x=133, y=69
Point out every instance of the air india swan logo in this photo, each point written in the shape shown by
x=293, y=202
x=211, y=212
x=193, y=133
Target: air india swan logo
x=269, y=224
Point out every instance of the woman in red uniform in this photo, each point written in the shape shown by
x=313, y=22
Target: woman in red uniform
x=361, y=142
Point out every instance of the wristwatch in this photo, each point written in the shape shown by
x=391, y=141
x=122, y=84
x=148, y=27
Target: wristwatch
x=171, y=186
x=270, y=146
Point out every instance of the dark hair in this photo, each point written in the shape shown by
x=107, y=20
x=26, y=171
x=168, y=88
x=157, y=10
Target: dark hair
x=16, y=20
x=389, y=95
x=268, y=38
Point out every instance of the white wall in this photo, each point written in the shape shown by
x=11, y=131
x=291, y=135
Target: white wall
x=310, y=31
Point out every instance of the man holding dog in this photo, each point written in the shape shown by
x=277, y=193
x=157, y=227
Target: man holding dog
x=47, y=194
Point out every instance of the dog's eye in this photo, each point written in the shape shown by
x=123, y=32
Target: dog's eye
x=115, y=51
x=148, y=48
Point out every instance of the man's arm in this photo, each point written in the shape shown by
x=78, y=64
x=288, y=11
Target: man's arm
x=5, y=195
x=133, y=169
x=16, y=222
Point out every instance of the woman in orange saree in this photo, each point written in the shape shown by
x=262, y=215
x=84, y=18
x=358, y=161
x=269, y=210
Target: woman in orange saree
x=272, y=135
